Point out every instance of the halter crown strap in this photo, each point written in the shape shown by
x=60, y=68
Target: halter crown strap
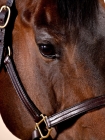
x=9, y=3
x=4, y=19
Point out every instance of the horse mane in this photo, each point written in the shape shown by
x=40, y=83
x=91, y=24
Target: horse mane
x=78, y=12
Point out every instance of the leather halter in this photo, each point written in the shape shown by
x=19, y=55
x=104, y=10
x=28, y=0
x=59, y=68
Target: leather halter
x=39, y=118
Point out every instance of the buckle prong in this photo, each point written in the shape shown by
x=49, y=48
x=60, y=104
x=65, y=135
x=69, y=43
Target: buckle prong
x=39, y=129
x=8, y=16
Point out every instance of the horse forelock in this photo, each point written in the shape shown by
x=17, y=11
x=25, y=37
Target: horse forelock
x=68, y=14
x=78, y=12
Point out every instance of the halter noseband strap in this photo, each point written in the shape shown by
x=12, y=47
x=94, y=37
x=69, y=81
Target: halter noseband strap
x=79, y=109
x=39, y=118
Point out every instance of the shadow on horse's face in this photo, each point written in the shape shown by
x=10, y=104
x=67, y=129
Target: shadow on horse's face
x=61, y=62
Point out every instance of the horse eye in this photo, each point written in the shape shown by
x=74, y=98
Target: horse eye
x=47, y=50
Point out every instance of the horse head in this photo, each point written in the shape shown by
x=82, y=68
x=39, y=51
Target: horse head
x=58, y=48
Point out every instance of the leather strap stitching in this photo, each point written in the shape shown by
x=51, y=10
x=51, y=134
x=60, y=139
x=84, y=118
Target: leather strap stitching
x=81, y=108
x=33, y=110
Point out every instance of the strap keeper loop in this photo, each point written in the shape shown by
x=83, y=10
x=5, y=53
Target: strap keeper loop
x=8, y=15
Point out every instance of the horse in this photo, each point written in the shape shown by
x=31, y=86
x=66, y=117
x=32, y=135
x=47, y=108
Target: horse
x=58, y=48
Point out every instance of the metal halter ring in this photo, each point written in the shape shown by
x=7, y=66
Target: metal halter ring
x=8, y=16
x=9, y=51
x=39, y=129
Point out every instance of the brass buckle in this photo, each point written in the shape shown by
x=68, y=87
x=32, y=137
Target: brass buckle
x=8, y=16
x=39, y=129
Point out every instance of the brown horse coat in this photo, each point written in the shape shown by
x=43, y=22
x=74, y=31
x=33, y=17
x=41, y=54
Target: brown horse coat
x=55, y=84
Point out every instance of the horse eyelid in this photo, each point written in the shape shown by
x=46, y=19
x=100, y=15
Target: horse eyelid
x=51, y=56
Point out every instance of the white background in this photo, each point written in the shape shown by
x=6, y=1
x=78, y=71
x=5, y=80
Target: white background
x=5, y=134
